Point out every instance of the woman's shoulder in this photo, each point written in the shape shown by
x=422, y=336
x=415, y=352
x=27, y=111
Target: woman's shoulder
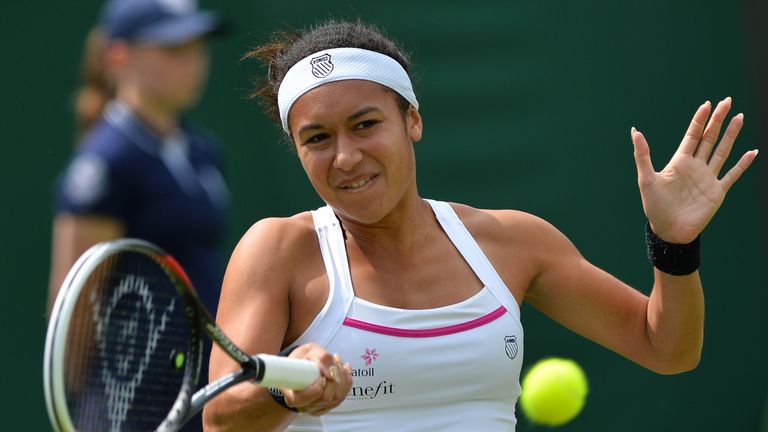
x=277, y=238
x=113, y=147
x=275, y=253
x=495, y=218
x=102, y=137
x=512, y=227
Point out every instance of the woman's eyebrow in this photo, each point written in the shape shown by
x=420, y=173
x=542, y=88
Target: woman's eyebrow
x=361, y=112
x=357, y=114
x=309, y=127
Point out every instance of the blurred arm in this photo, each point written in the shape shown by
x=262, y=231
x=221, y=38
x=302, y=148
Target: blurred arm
x=73, y=235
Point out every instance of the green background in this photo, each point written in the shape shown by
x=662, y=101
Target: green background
x=527, y=104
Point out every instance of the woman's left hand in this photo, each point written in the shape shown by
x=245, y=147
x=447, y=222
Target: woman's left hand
x=682, y=198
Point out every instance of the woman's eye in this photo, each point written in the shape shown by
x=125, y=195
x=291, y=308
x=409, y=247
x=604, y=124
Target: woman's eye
x=316, y=138
x=365, y=124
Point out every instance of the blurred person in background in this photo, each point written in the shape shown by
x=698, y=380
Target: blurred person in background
x=140, y=169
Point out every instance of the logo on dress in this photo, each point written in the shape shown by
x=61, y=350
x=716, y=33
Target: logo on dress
x=368, y=384
x=510, y=346
x=321, y=66
x=369, y=356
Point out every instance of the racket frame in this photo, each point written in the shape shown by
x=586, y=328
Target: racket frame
x=61, y=314
x=53, y=374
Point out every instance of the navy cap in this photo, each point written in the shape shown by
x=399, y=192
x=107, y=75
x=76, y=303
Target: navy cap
x=161, y=22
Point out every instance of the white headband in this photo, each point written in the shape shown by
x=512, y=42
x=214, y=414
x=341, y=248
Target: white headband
x=339, y=64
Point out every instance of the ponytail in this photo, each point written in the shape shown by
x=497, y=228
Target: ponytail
x=96, y=88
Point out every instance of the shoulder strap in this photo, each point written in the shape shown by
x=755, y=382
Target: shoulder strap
x=474, y=256
x=340, y=293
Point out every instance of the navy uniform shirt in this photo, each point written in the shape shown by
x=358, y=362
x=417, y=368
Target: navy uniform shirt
x=166, y=190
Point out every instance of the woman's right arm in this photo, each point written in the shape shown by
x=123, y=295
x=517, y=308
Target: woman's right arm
x=254, y=311
x=72, y=235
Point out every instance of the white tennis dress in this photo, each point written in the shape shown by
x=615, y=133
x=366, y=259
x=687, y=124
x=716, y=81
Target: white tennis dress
x=452, y=368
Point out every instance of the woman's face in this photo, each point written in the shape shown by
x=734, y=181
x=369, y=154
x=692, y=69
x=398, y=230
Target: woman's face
x=356, y=147
x=169, y=76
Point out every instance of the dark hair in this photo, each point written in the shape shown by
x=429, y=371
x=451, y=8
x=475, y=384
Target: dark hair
x=287, y=49
x=96, y=88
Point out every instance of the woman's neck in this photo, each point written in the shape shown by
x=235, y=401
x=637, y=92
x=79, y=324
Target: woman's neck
x=160, y=119
x=402, y=229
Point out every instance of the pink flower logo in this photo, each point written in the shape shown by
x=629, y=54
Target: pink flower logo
x=369, y=356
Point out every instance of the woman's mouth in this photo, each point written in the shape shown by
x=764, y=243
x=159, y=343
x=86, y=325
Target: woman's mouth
x=358, y=183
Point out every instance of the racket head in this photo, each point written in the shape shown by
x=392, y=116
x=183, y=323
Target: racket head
x=124, y=343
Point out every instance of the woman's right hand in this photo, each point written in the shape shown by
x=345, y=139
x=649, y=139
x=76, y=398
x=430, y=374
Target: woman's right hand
x=329, y=390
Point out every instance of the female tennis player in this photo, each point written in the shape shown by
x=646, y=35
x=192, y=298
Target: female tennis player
x=421, y=297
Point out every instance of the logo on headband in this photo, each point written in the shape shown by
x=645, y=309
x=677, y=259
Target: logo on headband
x=321, y=66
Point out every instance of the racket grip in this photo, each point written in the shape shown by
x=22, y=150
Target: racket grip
x=287, y=373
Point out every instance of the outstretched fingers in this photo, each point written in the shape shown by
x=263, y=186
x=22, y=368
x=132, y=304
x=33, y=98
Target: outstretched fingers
x=693, y=135
x=643, y=162
x=726, y=144
x=734, y=173
x=712, y=131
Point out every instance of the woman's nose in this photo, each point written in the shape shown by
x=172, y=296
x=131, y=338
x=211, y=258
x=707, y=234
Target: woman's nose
x=348, y=153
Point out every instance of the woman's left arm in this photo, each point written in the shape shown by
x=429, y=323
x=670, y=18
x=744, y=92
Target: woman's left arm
x=679, y=201
x=663, y=331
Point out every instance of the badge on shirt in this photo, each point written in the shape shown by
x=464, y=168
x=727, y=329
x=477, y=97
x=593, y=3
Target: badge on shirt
x=87, y=179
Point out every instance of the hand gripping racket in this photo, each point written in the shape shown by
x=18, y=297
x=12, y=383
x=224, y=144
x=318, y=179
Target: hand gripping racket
x=124, y=345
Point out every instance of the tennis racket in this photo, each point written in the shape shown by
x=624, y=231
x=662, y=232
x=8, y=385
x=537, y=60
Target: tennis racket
x=124, y=345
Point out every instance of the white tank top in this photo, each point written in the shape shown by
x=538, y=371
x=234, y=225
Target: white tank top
x=452, y=368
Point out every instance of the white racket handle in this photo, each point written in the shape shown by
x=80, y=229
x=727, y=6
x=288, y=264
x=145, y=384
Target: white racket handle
x=287, y=373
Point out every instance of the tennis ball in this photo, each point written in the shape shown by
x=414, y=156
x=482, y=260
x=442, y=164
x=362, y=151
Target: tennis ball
x=178, y=360
x=554, y=391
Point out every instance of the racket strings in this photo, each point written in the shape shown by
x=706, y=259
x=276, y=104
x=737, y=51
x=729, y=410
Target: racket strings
x=127, y=346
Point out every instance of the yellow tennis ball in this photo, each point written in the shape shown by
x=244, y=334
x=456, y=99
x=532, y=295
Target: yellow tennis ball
x=554, y=391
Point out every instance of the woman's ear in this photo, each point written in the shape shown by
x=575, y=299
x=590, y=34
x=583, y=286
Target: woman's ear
x=116, y=56
x=413, y=122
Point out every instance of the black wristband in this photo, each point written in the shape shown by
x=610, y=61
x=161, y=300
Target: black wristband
x=672, y=258
x=278, y=396
x=276, y=393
